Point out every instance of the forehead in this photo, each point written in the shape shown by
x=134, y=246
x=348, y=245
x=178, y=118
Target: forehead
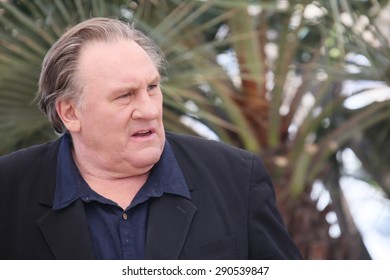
x=113, y=53
x=115, y=60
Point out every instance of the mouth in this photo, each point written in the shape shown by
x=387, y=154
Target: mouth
x=143, y=133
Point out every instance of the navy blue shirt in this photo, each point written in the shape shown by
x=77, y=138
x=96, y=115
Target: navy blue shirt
x=116, y=234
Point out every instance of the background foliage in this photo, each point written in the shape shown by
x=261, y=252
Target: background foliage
x=268, y=76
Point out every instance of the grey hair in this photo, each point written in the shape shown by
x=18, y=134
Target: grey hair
x=58, y=79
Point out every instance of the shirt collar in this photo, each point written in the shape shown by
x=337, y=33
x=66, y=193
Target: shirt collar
x=165, y=177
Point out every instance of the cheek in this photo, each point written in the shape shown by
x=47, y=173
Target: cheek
x=98, y=121
x=158, y=103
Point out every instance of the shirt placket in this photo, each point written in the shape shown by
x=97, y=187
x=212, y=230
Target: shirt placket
x=127, y=235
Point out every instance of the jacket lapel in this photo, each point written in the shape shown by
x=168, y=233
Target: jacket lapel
x=66, y=232
x=170, y=218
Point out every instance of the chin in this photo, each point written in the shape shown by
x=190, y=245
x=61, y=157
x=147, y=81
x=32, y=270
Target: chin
x=148, y=158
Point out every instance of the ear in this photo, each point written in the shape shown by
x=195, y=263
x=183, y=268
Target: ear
x=68, y=112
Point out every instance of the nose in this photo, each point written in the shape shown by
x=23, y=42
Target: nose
x=146, y=106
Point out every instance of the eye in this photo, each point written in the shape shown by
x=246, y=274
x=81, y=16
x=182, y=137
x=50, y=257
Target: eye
x=126, y=95
x=152, y=87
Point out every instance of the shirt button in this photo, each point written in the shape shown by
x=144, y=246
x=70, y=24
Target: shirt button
x=124, y=216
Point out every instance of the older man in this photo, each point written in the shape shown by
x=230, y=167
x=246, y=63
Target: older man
x=115, y=185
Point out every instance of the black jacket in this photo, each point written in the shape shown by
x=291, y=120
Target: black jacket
x=231, y=215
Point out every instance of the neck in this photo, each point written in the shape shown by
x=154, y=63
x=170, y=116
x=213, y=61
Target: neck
x=120, y=187
x=122, y=191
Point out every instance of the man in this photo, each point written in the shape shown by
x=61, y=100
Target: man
x=115, y=185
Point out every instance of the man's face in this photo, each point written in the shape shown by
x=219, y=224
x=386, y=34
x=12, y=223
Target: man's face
x=120, y=118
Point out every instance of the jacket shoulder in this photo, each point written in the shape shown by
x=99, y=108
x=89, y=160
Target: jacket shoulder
x=202, y=158
x=29, y=156
x=206, y=149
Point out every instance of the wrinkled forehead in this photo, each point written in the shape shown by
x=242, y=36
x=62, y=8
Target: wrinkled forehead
x=109, y=64
x=117, y=53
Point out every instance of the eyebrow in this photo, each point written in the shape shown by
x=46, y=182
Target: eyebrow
x=130, y=86
x=156, y=79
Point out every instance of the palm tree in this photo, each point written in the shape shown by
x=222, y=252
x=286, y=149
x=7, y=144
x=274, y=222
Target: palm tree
x=267, y=77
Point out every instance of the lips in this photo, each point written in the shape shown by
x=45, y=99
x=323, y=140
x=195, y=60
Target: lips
x=143, y=133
